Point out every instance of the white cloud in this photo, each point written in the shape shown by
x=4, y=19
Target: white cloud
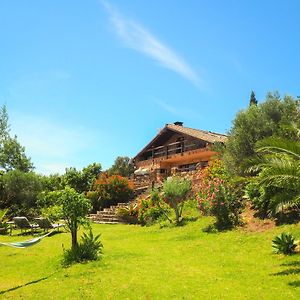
x=138, y=38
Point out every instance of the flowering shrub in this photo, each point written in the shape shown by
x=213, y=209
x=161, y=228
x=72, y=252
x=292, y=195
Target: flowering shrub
x=220, y=196
x=110, y=190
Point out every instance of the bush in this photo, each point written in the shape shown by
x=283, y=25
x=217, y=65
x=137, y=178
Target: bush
x=220, y=196
x=149, y=211
x=284, y=243
x=259, y=197
x=110, y=190
x=90, y=248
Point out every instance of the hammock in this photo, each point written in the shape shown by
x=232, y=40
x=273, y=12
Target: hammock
x=25, y=244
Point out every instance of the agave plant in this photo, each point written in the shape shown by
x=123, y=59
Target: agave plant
x=284, y=243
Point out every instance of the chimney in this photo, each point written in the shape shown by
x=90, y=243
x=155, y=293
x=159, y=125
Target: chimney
x=178, y=123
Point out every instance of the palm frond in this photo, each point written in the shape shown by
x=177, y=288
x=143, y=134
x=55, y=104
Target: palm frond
x=275, y=145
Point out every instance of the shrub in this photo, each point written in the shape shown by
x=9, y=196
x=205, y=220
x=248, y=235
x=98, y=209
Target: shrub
x=149, y=210
x=220, y=196
x=110, y=190
x=284, y=243
x=90, y=248
x=259, y=197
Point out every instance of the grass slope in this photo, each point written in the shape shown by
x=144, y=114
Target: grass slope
x=155, y=263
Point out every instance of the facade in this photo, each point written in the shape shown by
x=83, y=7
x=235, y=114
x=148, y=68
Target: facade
x=174, y=149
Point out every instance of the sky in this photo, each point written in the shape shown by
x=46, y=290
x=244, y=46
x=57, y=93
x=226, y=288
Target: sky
x=87, y=81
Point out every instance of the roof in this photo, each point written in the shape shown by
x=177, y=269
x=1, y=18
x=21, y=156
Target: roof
x=207, y=136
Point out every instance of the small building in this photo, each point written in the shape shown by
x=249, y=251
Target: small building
x=174, y=149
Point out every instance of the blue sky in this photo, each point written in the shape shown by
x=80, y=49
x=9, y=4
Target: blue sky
x=86, y=81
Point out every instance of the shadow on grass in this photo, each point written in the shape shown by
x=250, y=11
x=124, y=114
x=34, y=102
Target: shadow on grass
x=295, y=283
x=293, y=269
x=28, y=283
x=37, y=234
x=187, y=220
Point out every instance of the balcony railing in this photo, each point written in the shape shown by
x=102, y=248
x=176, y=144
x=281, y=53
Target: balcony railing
x=155, y=160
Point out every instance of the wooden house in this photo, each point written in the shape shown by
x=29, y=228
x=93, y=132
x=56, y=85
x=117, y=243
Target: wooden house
x=174, y=149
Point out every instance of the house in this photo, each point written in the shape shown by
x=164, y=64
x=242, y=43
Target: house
x=174, y=149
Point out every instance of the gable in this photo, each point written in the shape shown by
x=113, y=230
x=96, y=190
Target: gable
x=172, y=133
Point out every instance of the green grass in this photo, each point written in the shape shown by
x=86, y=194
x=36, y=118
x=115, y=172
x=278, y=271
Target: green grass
x=155, y=263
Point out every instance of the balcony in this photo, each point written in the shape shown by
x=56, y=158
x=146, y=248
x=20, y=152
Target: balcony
x=169, y=159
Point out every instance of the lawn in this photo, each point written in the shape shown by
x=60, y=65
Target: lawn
x=155, y=263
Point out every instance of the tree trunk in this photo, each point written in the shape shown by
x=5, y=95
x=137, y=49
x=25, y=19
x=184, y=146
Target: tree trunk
x=177, y=214
x=74, y=236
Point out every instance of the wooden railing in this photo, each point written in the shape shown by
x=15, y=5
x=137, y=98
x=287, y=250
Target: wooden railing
x=156, y=160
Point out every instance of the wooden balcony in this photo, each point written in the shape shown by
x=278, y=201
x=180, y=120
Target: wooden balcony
x=169, y=159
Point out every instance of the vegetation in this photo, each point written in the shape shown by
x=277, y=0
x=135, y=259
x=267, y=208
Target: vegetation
x=220, y=195
x=81, y=180
x=19, y=192
x=175, y=192
x=3, y=221
x=278, y=179
x=110, y=190
x=88, y=249
x=75, y=208
x=253, y=100
x=269, y=118
x=155, y=263
x=122, y=166
x=12, y=154
x=284, y=243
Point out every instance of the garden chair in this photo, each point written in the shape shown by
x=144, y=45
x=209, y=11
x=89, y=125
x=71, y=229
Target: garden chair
x=45, y=224
x=24, y=224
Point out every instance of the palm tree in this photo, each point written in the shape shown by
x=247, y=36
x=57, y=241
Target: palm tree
x=279, y=169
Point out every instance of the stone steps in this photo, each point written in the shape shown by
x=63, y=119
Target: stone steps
x=107, y=215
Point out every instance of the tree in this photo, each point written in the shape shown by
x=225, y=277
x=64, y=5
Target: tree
x=4, y=126
x=257, y=122
x=12, y=154
x=75, y=208
x=19, y=191
x=175, y=192
x=253, y=100
x=122, y=166
x=81, y=181
x=13, y=157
